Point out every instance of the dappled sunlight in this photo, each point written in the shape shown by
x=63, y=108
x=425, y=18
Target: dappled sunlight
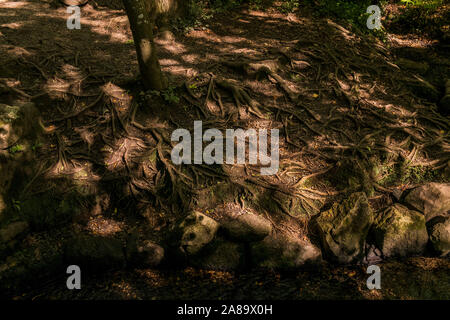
x=347, y=119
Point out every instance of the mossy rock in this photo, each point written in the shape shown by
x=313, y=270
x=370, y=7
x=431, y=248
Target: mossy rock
x=344, y=227
x=247, y=227
x=142, y=253
x=220, y=254
x=439, y=234
x=281, y=252
x=400, y=232
x=197, y=230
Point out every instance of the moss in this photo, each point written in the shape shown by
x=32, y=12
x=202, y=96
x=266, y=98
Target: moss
x=344, y=227
x=399, y=231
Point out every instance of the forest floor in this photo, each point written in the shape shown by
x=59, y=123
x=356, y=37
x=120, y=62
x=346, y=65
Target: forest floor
x=349, y=118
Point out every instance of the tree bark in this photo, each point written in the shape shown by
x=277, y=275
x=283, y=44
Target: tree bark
x=142, y=27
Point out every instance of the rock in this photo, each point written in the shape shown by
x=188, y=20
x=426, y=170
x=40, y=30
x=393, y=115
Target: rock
x=94, y=253
x=432, y=199
x=150, y=253
x=13, y=230
x=373, y=255
x=344, y=227
x=220, y=254
x=424, y=89
x=247, y=228
x=444, y=104
x=283, y=252
x=145, y=254
x=197, y=230
x=400, y=232
x=439, y=234
x=419, y=67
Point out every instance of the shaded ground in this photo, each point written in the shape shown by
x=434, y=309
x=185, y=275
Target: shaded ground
x=415, y=278
x=350, y=119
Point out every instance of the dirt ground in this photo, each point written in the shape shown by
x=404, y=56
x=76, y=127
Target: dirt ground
x=341, y=103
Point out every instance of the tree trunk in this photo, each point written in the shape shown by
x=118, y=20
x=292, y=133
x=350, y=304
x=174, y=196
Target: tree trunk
x=142, y=27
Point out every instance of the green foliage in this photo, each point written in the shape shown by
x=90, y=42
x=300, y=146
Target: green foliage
x=170, y=95
x=404, y=173
x=289, y=5
x=421, y=16
x=16, y=148
x=425, y=4
x=351, y=11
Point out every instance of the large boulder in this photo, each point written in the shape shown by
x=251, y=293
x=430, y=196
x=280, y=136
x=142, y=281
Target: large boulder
x=432, y=199
x=197, y=230
x=344, y=227
x=283, y=252
x=95, y=253
x=400, y=232
x=247, y=227
x=439, y=234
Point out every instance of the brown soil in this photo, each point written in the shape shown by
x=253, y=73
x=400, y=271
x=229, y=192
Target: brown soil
x=342, y=106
